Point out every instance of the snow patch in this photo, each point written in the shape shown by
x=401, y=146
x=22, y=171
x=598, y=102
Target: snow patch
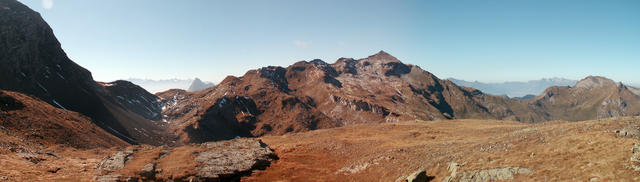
x=145, y=99
x=42, y=87
x=120, y=134
x=58, y=104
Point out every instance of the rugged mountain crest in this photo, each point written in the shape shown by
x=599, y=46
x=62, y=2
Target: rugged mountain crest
x=314, y=94
x=591, y=98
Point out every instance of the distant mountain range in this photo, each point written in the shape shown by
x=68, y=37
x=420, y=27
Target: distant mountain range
x=155, y=86
x=518, y=90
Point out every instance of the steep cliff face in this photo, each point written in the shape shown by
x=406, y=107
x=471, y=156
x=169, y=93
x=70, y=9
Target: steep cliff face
x=33, y=62
x=314, y=95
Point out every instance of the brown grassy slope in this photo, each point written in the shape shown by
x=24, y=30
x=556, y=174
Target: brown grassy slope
x=555, y=151
x=30, y=122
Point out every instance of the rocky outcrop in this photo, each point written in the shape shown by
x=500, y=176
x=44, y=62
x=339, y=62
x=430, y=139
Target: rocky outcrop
x=231, y=159
x=418, y=176
x=114, y=162
x=276, y=75
x=635, y=157
x=9, y=103
x=213, y=161
x=484, y=175
x=358, y=105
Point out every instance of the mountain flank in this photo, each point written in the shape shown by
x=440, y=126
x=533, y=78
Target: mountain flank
x=35, y=64
x=314, y=94
x=27, y=123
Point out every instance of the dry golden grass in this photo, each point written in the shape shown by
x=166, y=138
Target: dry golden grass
x=555, y=151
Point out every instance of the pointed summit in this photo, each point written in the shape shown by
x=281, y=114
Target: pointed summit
x=198, y=85
x=384, y=57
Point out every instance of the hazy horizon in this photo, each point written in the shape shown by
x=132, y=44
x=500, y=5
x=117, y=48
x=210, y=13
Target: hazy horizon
x=492, y=42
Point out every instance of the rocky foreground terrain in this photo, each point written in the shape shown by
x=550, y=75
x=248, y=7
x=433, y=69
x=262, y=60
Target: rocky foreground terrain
x=457, y=150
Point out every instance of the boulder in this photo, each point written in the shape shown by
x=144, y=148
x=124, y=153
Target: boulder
x=419, y=176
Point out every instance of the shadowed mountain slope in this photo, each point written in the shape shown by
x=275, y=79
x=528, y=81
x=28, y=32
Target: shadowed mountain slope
x=34, y=63
x=28, y=122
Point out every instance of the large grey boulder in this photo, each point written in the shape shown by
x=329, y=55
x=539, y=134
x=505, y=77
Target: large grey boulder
x=230, y=159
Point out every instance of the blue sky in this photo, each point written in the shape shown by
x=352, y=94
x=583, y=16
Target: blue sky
x=490, y=41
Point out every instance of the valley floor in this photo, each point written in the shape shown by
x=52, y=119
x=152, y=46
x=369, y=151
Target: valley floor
x=597, y=150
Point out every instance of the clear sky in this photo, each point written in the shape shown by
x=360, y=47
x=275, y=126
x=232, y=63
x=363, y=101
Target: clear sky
x=490, y=41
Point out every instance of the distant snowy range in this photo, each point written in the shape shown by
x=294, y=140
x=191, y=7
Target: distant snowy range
x=518, y=90
x=154, y=86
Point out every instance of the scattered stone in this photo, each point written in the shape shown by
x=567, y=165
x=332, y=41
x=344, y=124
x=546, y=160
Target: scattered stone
x=114, y=178
x=48, y=154
x=628, y=132
x=107, y=178
x=593, y=179
x=453, y=167
x=4, y=130
x=31, y=157
x=635, y=157
x=54, y=170
x=148, y=172
x=114, y=162
x=506, y=173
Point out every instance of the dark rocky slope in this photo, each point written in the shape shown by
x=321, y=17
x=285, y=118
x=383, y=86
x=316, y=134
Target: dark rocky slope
x=27, y=123
x=33, y=62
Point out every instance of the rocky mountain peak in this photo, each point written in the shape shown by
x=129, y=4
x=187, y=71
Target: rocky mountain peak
x=198, y=85
x=591, y=82
x=383, y=57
